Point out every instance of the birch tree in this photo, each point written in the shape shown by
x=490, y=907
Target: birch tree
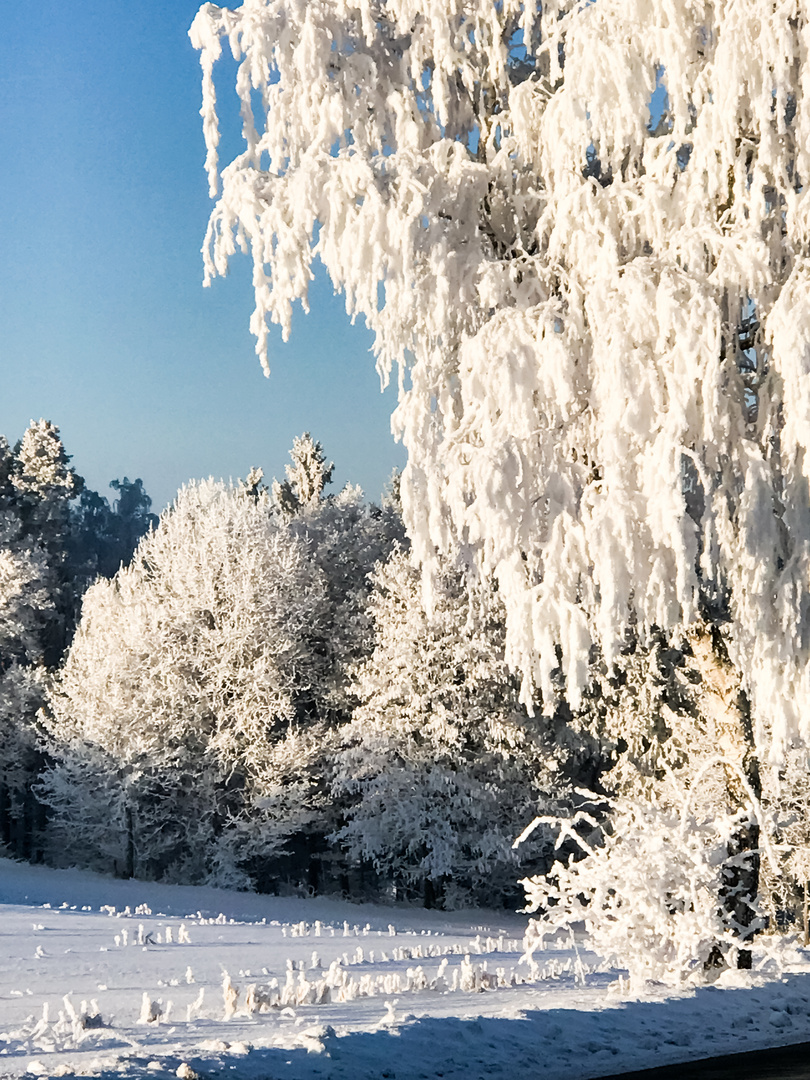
x=579, y=232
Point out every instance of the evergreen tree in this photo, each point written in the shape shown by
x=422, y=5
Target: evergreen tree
x=307, y=476
x=440, y=761
x=43, y=485
x=104, y=537
x=346, y=537
x=36, y=615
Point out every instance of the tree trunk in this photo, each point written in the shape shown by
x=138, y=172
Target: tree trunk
x=725, y=706
x=129, y=868
x=5, y=815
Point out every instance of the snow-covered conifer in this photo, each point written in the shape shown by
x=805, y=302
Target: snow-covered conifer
x=254, y=486
x=45, y=483
x=440, y=761
x=26, y=604
x=347, y=536
x=307, y=476
x=36, y=613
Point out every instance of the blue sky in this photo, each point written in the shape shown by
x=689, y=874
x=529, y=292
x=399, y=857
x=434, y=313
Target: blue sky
x=105, y=328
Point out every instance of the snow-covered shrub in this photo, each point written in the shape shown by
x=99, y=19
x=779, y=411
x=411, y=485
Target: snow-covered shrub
x=645, y=877
x=786, y=797
x=440, y=760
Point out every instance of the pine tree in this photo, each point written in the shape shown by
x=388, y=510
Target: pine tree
x=37, y=606
x=440, y=761
x=307, y=476
x=44, y=484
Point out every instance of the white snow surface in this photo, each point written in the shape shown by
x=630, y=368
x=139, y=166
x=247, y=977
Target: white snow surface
x=389, y=1011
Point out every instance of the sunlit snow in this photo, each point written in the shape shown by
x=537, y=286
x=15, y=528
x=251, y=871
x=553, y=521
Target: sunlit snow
x=102, y=976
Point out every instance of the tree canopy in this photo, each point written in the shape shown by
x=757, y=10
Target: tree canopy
x=580, y=232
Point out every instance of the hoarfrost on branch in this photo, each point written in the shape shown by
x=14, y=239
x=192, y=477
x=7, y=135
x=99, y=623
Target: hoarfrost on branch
x=597, y=305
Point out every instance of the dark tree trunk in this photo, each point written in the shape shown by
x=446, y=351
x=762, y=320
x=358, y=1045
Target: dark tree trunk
x=5, y=815
x=726, y=707
x=129, y=868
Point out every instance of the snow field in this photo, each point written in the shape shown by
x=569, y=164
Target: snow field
x=217, y=970
x=126, y=979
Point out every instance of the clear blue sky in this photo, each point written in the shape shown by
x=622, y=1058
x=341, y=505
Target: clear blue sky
x=105, y=328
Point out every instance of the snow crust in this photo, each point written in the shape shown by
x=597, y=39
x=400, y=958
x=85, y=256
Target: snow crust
x=76, y=1000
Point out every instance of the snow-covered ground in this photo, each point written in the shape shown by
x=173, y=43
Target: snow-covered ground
x=339, y=991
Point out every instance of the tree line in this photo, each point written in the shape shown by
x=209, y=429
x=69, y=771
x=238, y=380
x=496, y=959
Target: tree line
x=252, y=692
x=267, y=693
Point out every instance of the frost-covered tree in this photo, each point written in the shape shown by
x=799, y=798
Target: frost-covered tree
x=177, y=744
x=36, y=613
x=307, y=476
x=37, y=515
x=440, y=759
x=347, y=536
x=594, y=316
x=594, y=287
x=45, y=483
x=254, y=486
x=27, y=614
